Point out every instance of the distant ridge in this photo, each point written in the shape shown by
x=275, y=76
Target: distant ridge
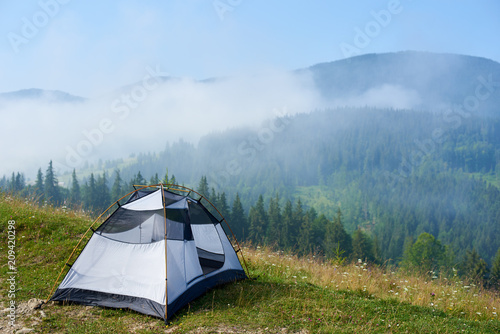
x=422, y=80
x=36, y=94
x=438, y=78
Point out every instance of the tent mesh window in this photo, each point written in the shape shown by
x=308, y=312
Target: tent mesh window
x=183, y=222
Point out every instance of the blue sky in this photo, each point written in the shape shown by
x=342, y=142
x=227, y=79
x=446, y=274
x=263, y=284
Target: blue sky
x=88, y=48
x=91, y=48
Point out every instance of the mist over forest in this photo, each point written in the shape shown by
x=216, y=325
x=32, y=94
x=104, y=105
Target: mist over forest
x=401, y=143
x=147, y=114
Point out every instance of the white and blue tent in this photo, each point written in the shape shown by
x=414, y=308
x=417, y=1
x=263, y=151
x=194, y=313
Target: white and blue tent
x=154, y=254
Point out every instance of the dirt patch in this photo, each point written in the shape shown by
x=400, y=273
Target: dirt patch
x=28, y=319
x=21, y=319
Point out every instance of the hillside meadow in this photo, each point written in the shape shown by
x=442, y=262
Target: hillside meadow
x=286, y=294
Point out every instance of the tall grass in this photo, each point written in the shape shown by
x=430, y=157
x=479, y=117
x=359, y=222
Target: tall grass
x=450, y=295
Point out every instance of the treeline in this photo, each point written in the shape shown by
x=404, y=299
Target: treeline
x=295, y=228
x=94, y=194
x=303, y=231
x=393, y=174
x=309, y=149
x=283, y=224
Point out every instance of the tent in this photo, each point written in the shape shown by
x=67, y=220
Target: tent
x=154, y=254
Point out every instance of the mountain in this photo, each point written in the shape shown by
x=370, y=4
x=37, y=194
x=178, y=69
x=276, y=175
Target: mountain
x=54, y=96
x=433, y=81
x=395, y=172
x=409, y=79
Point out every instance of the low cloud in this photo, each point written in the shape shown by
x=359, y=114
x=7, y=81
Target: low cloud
x=137, y=119
x=143, y=117
x=384, y=96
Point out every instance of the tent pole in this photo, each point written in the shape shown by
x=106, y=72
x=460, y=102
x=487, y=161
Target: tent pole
x=166, y=270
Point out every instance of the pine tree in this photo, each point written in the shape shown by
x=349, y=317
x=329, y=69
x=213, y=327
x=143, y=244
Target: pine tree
x=213, y=196
x=317, y=232
x=203, y=187
x=495, y=272
x=469, y=261
x=52, y=194
x=12, y=183
x=3, y=183
x=222, y=206
x=155, y=179
x=474, y=267
x=274, y=221
x=481, y=272
x=297, y=221
x=139, y=179
x=286, y=223
x=39, y=190
x=102, y=197
x=238, y=220
x=258, y=219
x=337, y=237
x=19, y=182
x=304, y=246
x=362, y=246
x=377, y=254
x=116, y=188
x=408, y=243
x=75, y=197
x=90, y=194
x=320, y=225
x=136, y=180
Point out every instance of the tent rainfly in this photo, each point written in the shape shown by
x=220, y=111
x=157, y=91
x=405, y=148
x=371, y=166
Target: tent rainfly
x=154, y=254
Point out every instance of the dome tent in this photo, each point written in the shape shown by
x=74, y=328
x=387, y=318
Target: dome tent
x=154, y=254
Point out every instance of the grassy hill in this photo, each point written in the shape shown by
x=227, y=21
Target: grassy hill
x=287, y=295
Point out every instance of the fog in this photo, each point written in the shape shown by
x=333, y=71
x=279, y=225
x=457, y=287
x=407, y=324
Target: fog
x=384, y=96
x=144, y=116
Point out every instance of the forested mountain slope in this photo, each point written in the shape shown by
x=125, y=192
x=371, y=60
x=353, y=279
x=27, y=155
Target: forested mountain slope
x=432, y=165
x=420, y=80
x=394, y=173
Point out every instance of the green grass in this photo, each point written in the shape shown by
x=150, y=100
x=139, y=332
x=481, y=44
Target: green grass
x=288, y=294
